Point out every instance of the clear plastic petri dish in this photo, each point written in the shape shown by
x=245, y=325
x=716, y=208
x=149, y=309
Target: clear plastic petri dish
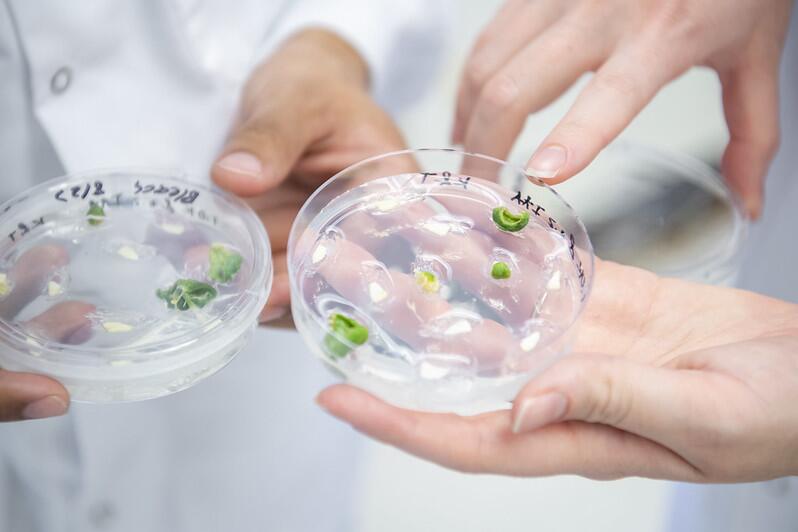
x=127, y=284
x=669, y=213
x=418, y=277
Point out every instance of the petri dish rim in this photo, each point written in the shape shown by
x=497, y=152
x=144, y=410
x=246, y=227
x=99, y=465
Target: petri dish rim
x=695, y=170
x=519, y=171
x=175, y=345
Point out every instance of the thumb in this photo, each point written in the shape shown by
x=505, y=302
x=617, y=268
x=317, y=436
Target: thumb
x=264, y=146
x=28, y=396
x=649, y=401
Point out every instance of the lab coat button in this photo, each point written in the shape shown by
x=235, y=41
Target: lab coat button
x=101, y=513
x=61, y=80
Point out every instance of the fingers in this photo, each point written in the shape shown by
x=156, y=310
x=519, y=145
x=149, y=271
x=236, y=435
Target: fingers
x=446, y=439
x=29, y=276
x=653, y=402
x=66, y=322
x=517, y=23
x=615, y=95
x=485, y=443
x=28, y=396
x=262, y=150
x=288, y=104
x=279, y=304
x=536, y=76
x=276, y=126
x=751, y=106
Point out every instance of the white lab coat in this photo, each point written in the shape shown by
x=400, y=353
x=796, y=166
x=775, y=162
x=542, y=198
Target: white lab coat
x=95, y=84
x=768, y=266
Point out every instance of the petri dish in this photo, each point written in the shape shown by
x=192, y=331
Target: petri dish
x=417, y=276
x=128, y=284
x=667, y=212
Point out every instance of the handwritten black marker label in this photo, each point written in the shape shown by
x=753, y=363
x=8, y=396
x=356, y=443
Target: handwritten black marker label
x=80, y=192
x=176, y=194
x=201, y=215
x=446, y=179
x=537, y=210
x=25, y=228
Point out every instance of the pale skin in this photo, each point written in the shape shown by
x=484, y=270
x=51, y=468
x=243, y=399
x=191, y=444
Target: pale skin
x=668, y=379
x=532, y=51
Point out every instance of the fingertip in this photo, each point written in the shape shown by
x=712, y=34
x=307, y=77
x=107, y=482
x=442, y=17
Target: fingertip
x=49, y=406
x=743, y=170
x=537, y=411
x=271, y=314
x=753, y=206
x=29, y=396
x=338, y=399
x=548, y=162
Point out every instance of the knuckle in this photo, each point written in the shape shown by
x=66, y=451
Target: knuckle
x=499, y=94
x=606, y=400
x=477, y=71
x=563, y=43
x=679, y=14
x=676, y=22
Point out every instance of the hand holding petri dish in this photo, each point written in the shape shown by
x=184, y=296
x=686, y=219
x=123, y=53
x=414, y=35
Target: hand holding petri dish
x=127, y=285
x=420, y=278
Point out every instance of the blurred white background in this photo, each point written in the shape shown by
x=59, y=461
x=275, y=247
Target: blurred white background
x=398, y=493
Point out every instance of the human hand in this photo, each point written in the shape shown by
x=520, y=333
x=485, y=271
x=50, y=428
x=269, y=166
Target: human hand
x=694, y=383
x=531, y=52
x=305, y=114
x=26, y=395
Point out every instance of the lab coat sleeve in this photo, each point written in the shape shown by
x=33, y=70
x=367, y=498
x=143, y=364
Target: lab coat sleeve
x=402, y=43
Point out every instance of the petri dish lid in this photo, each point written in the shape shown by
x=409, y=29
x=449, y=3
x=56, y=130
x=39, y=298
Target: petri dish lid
x=128, y=284
x=666, y=212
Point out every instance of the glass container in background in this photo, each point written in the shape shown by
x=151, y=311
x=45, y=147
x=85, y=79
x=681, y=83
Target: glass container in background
x=666, y=212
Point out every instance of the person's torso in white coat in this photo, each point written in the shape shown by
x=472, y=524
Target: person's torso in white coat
x=154, y=83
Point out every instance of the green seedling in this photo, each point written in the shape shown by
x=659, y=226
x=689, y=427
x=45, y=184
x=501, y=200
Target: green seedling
x=187, y=294
x=224, y=264
x=428, y=282
x=346, y=328
x=507, y=221
x=500, y=270
x=96, y=213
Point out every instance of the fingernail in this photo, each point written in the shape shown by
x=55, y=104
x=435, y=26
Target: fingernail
x=242, y=163
x=49, y=406
x=271, y=314
x=753, y=208
x=317, y=400
x=536, y=412
x=547, y=162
